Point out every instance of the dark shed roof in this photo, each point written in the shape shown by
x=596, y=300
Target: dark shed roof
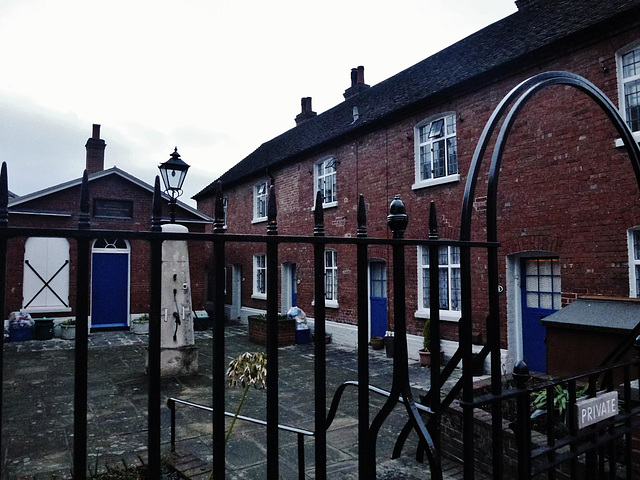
x=537, y=30
x=597, y=314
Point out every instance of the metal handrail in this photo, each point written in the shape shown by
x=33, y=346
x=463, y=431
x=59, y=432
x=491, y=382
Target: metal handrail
x=300, y=432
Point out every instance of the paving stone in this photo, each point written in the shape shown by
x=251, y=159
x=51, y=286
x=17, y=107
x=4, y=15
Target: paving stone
x=38, y=410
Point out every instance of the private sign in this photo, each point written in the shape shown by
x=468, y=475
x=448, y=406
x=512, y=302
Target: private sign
x=593, y=410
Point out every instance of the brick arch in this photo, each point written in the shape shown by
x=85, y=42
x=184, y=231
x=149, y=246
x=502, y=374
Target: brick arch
x=529, y=243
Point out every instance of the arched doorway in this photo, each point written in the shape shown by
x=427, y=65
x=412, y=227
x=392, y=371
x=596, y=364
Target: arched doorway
x=110, y=283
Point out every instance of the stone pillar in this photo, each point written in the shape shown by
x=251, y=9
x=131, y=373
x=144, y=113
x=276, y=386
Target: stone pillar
x=179, y=355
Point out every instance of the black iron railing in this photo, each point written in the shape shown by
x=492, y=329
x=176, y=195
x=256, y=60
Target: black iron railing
x=591, y=441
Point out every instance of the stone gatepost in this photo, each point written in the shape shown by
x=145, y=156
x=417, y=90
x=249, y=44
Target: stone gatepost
x=178, y=353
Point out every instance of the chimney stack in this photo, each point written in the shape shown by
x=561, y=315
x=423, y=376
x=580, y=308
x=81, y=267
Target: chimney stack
x=95, y=151
x=306, y=113
x=357, y=82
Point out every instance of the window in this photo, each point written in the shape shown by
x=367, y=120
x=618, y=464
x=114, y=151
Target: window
x=260, y=276
x=325, y=181
x=448, y=282
x=331, y=277
x=634, y=263
x=260, y=192
x=629, y=78
x=436, y=153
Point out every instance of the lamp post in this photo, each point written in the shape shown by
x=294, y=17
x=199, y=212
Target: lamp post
x=173, y=173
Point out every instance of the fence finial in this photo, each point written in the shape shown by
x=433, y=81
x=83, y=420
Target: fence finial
x=521, y=374
x=4, y=196
x=218, y=222
x=156, y=207
x=362, y=217
x=272, y=212
x=318, y=216
x=84, y=217
x=397, y=219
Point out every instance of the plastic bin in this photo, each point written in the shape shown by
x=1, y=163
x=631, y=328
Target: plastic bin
x=20, y=334
x=303, y=335
x=43, y=329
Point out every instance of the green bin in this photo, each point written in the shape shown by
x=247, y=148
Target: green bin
x=43, y=329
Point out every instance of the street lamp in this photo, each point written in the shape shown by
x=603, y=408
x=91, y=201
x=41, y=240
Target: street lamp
x=173, y=172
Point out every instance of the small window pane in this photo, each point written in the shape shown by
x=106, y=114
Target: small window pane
x=436, y=128
x=532, y=284
x=631, y=63
x=532, y=300
x=546, y=301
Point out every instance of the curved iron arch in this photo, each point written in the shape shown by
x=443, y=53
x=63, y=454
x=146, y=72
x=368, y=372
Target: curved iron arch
x=524, y=92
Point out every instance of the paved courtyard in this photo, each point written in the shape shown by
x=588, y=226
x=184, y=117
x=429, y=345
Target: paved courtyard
x=37, y=437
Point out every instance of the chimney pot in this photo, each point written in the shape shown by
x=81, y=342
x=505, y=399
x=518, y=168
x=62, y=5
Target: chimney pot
x=95, y=151
x=307, y=112
x=357, y=82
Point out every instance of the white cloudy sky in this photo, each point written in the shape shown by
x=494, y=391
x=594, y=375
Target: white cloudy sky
x=214, y=78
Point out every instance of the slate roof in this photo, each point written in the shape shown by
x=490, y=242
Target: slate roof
x=536, y=30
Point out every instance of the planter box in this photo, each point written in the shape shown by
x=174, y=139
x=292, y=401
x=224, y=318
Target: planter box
x=68, y=332
x=140, y=328
x=258, y=330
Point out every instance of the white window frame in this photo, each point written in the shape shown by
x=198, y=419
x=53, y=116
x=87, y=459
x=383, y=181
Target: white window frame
x=426, y=136
x=260, y=194
x=633, y=241
x=321, y=178
x=331, y=275
x=423, y=271
x=225, y=201
x=623, y=81
x=259, y=272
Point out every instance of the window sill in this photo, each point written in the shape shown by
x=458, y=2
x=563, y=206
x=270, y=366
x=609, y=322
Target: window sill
x=435, y=181
x=619, y=143
x=327, y=304
x=445, y=315
x=326, y=205
x=259, y=296
x=259, y=220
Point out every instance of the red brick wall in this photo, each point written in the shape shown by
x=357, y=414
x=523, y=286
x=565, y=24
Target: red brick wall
x=564, y=188
x=67, y=201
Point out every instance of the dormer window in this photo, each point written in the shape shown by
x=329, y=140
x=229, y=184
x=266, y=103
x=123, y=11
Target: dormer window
x=436, y=153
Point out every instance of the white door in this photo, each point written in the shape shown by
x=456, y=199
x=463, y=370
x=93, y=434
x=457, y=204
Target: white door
x=45, y=284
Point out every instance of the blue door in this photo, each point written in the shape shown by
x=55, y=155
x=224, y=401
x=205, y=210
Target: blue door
x=540, y=298
x=110, y=286
x=378, y=298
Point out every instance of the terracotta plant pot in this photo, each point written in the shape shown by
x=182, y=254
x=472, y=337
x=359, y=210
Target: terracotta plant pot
x=425, y=358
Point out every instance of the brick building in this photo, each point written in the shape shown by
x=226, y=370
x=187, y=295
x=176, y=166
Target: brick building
x=568, y=201
x=41, y=272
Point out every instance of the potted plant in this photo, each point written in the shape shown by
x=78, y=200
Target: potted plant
x=425, y=351
x=140, y=325
x=68, y=330
x=377, y=343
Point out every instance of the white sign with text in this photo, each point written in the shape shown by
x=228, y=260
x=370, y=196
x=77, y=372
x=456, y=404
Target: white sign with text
x=593, y=410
